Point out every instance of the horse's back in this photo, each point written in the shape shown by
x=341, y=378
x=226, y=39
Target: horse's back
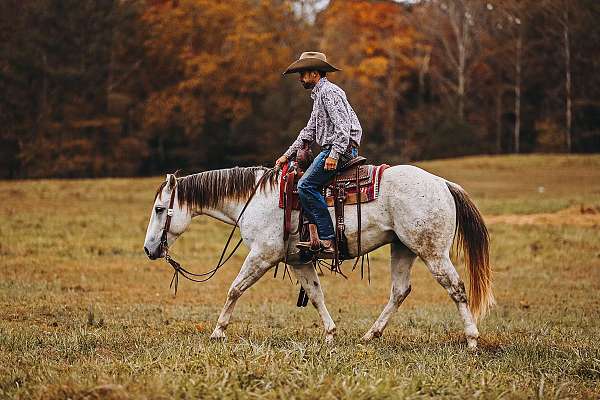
x=407, y=182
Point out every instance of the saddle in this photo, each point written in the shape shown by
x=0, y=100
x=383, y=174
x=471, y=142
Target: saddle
x=354, y=184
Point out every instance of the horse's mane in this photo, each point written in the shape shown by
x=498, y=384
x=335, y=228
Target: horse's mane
x=210, y=189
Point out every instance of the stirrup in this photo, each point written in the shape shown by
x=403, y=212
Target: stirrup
x=327, y=250
x=304, y=245
x=321, y=249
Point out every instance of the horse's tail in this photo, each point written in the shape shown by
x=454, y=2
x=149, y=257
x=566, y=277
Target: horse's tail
x=473, y=239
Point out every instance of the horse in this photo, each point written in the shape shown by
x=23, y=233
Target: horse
x=417, y=213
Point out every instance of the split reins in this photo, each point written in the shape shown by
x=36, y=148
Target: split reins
x=205, y=276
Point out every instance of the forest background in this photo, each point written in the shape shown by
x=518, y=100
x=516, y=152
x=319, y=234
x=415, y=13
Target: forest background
x=94, y=88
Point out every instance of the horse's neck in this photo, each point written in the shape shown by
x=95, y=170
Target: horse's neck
x=229, y=211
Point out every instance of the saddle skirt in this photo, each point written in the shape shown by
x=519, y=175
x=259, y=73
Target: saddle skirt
x=369, y=179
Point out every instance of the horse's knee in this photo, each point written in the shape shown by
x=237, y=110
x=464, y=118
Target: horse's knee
x=234, y=293
x=458, y=292
x=455, y=289
x=399, y=294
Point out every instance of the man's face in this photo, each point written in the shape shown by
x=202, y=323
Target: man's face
x=309, y=79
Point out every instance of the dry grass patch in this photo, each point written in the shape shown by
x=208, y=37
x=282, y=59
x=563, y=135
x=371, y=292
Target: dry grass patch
x=577, y=215
x=84, y=315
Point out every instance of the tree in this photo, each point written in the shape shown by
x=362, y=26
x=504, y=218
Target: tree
x=507, y=19
x=216, y=62
x=374, y=43
x=456, y=43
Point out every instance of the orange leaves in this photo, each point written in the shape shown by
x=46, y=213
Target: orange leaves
x=376, y=67
x=375, y=45
x=200, y=65
x=220, y=55
x=167, y=108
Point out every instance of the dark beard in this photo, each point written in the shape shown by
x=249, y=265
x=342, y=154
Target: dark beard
x=308, y=85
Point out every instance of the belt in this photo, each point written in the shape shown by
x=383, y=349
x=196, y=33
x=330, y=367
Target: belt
x=352, y=145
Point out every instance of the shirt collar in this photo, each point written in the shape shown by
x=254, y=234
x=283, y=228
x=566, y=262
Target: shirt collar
x=317, y=88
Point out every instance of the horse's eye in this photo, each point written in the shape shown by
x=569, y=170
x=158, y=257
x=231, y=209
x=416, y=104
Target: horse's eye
x=159, y=209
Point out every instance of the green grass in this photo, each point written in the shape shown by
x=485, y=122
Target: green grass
x=84, y=315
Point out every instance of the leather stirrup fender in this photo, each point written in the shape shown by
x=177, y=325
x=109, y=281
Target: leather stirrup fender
x=287, y=213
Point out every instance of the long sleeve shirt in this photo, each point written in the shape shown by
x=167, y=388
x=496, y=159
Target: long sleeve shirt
x=332, y=121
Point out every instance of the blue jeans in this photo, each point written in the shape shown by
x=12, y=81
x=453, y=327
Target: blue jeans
x=309, y=191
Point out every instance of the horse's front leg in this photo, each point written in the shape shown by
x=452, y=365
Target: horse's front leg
x=254, y=267
x=309, y=280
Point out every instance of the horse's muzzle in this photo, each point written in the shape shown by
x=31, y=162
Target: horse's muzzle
x=155, y=255
x=148, y=253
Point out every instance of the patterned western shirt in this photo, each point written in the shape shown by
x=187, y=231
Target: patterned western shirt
x=332, y=121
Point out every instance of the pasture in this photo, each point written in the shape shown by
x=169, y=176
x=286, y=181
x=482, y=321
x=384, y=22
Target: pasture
x=84, y=314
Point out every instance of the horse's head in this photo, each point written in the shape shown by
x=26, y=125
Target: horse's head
x=174, y=222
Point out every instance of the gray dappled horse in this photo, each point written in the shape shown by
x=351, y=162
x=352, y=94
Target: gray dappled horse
x=416, y=212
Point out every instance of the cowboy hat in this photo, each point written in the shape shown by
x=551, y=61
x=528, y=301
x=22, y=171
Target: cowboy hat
x=311, y=61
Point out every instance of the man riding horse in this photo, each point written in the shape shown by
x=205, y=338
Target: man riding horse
x=417, y=213
x=334, y=126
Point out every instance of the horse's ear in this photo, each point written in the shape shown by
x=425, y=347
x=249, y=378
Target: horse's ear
x=171, y=181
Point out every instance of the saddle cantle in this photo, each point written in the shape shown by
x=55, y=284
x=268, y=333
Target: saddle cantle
x=354, y=162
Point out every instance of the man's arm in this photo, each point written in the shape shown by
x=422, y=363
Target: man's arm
x=307, y=133
x=336, y=109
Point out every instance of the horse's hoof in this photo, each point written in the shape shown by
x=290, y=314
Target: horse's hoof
x=329, y=338
x=218, y=335
x=472, y=344
x=370, y=336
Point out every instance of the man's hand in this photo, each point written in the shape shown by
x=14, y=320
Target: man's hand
x=280, y=161
x=330, y=164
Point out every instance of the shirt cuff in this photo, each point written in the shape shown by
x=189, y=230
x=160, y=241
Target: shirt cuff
x=289, y=153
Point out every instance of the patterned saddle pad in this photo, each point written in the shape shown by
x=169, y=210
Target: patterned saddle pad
x=369, y=178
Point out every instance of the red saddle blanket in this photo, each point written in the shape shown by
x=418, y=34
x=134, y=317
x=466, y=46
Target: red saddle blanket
x=369, y=179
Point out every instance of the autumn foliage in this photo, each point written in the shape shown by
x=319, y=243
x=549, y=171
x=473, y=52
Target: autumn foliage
x=134, y=87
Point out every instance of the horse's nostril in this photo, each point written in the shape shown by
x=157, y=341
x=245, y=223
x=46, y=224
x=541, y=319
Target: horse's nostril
x=147, y=251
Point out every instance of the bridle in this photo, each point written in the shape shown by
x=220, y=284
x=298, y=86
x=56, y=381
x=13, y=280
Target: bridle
x=177, y=268
x=163, y=238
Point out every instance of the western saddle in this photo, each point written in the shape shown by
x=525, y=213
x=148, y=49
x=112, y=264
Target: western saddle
x=355, y=183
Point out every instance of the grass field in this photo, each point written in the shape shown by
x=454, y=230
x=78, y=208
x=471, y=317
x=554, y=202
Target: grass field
x=84, y=315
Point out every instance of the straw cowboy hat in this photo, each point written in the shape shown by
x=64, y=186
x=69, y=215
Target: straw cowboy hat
x=311, y=61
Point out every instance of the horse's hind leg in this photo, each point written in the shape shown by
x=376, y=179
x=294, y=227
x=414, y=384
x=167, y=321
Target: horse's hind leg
x=307, y=276
x=444, y=272
x=401, y=262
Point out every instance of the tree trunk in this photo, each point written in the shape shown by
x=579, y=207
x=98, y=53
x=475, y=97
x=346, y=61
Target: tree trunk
x=43, y=109
x=110, y=76
x=390, y=120
x=462, y=59
x=517, y=130
x=423, y=70
x=499, y=121
x=568, y=105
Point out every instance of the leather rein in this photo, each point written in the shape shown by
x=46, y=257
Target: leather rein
x=205, y=276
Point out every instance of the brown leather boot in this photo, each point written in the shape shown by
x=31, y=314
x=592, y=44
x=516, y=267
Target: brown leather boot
x=325, y=248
